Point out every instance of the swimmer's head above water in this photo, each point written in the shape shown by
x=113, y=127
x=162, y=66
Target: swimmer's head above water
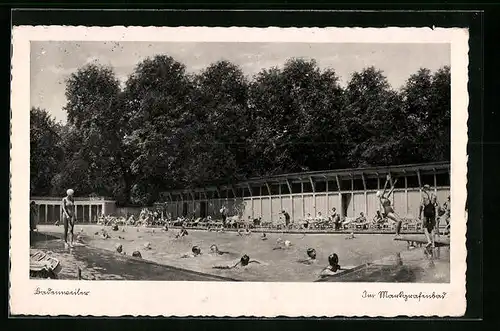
x=214, y=248
x=196, y=250
x=311, y=252
x=333, y=260
x=245, y=259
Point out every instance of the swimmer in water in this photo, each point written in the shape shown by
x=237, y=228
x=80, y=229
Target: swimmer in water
x=351, y=236
x=244, y=261
x=182, y=233
x=245, y=232
x=215, y=250
x=388, y=209
x=280, y=244
x=333, y=267
x=263, y=236
x=311, y=256
x=195, y=252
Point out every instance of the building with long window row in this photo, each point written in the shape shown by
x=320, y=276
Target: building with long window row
x=350, y=191
x=87, y=209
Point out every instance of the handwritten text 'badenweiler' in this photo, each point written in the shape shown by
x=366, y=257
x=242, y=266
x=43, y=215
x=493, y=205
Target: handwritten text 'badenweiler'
x=405, y=296
x=50, y=291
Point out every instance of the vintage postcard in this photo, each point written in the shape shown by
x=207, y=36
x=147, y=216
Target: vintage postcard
x=198, y=171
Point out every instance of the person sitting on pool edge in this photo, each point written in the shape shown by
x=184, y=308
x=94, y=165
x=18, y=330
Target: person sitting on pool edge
x=311, y=256
x=195, y=251
x=333, y=266
x=244, y=261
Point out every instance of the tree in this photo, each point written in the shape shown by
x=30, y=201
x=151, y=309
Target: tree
x=45, y=154
x=222, y=126
x=440, y=114
x=160, y=112
x=427, y=105
x=97, y=125
x=296, y=111
x=374, y=119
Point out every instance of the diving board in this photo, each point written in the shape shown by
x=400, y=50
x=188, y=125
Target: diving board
x=420, y=240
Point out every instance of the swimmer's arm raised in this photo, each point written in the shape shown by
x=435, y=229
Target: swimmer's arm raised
x=392, y=188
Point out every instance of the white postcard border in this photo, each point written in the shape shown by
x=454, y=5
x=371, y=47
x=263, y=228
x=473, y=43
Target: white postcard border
x=154, y=298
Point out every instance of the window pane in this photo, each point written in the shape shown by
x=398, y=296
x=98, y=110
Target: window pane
x=345, y=185
x=443, y=179
x=275, y=189
x=284, y=189
x=320, y=186
x=400, y=183
x=296, y=188
x=428, y=180
x=371, y=183
x=264, y=190
x=358, y=184
x=332, y=186
x=412, y=181
x=307, y=187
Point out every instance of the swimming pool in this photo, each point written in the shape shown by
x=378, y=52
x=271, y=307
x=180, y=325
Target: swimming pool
x=276, y=265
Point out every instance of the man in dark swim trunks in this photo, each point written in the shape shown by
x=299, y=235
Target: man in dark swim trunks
x=223, y=212
x=429, y=212
x=287, y=218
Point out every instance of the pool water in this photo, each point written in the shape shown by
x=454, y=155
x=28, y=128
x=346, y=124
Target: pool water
x=275, y=265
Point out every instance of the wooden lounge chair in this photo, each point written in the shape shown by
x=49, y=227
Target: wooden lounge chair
x=43, y=265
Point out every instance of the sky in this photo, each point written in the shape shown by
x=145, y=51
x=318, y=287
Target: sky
x=53, y=61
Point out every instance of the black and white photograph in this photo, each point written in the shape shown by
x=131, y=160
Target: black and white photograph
x=243, y=161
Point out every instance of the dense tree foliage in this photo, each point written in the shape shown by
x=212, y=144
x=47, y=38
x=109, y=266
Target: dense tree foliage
x=169, y=129
x=46, y=156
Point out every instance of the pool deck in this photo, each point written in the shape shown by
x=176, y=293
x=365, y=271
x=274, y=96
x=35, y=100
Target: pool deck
x=293, y=231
